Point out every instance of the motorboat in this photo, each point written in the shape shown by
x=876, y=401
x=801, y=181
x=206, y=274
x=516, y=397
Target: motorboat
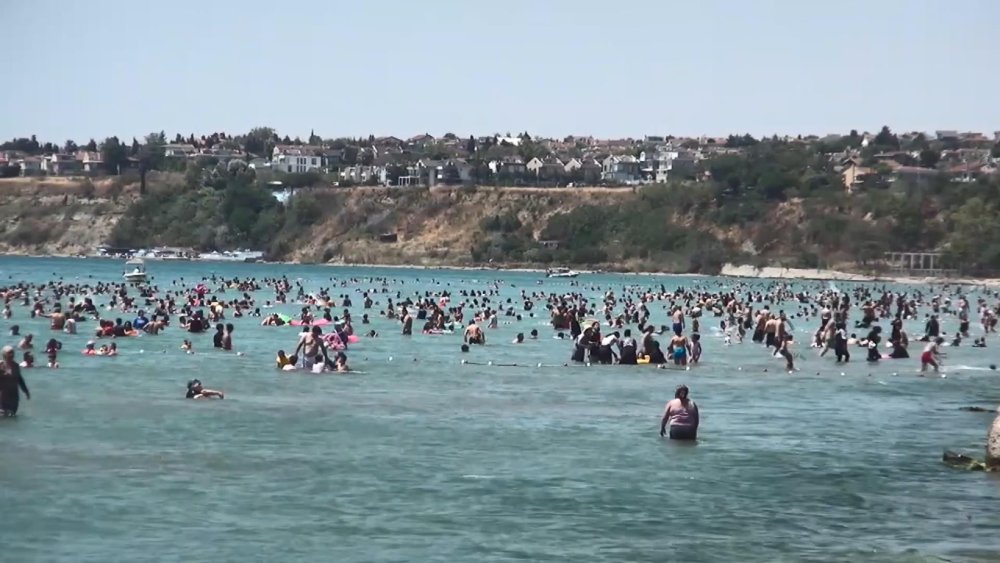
x=232, y=256
x=138, y=272
x=561, y=273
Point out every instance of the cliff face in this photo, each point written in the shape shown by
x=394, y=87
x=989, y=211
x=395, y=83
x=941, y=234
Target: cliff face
x=59, y=216
x=415, y=226
x=437, y=226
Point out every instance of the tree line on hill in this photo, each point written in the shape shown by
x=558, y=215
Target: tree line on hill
x=774, y=200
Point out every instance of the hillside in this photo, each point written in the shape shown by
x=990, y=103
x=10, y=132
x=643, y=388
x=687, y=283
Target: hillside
x=678, y=227
x=58, y=215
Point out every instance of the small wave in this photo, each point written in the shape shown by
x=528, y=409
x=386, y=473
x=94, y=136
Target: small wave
x=968, y=368
x=475, y=476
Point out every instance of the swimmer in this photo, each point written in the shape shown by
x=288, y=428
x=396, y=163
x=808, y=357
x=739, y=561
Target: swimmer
x=519, y=339
x=931, y=355
x=695, y=348
x=319, y=364
x=29, y=360
x=89, y=350
x=227, y=338
x=786, y=341
x=196, y=391
x=282, y=360
x=681, y=413
x=11, y=382
x=52, y=351
x=474, y=334
x=187, y=346
x=292, y=364
x=340, y=363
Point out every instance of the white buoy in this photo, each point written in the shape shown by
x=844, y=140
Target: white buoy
x=539, y=365
x=841, y=374
x=687, y=368
x=142, y=351
x=489, y=363
x=944, y=375
x=465, y=361
x=390, y=358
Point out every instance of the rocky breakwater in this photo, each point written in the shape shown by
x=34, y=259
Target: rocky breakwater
x=992, y=461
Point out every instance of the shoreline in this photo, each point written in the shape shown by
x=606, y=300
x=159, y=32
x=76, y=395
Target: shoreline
x=728, y=271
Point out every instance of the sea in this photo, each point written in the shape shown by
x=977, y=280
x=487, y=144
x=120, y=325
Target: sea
x=509, y=456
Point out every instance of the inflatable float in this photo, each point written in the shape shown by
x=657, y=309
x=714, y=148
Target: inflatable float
x=317, y=322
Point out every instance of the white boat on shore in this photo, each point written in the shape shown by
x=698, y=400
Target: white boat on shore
x=138, y=272
x=232, y=256
x=561, y=273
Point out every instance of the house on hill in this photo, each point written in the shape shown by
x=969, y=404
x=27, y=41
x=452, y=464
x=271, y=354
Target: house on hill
x=293, y=159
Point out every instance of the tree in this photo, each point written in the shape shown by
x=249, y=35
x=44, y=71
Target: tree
x=929, y=158
x=974, y=240
x=92, y=146
x=451, y=176
x=70, y=147
x=259, y=141
x=136, y=147
x=470, y=145
x=886, y=138
x=995, y=152
x=918, y=143
x=114, y=154
x=151, y=157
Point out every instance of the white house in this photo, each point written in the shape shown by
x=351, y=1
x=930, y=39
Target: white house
x=61, y=165
x=657, y=165
x=295, y=160
x=90, y=160
x=178, y=150
x=621, y=169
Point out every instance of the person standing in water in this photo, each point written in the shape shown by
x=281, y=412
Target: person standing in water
x=681, y=413
x=11, y=383
x=784, y=352
x=931, y=355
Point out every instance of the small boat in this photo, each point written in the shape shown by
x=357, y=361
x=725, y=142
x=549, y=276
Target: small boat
x=561, y=273
x=138, y=273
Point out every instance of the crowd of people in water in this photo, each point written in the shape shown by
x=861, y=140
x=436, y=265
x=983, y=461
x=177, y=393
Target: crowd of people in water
x=616, y=327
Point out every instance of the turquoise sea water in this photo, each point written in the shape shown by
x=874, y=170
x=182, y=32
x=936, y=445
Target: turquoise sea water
x=433, y=460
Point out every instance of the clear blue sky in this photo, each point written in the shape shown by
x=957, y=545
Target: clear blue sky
x=551, y=67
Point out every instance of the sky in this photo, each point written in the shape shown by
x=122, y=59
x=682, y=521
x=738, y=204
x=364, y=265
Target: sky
x=81, y=70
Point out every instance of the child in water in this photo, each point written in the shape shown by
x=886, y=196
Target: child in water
x=52, y=350
x=282, y=360
x=695, y=348
x=786, y=353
